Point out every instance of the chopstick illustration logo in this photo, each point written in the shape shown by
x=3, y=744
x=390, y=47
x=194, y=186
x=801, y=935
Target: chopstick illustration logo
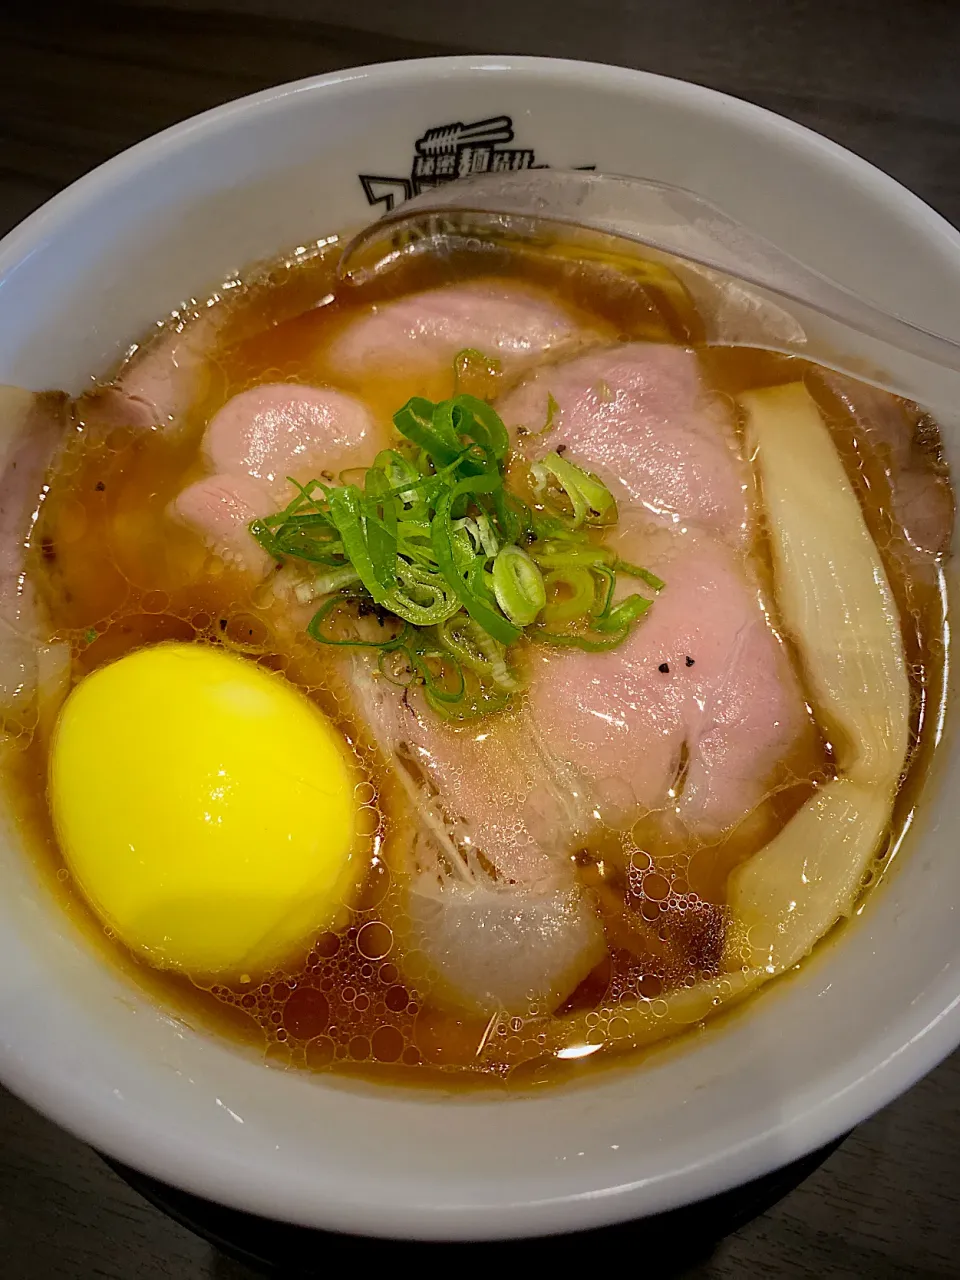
x=450, y=151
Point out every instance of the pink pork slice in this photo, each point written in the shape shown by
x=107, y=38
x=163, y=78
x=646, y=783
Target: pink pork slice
x=220, y=508
x=516, y=323
x=32, y=430
x=282, y=429
x=704, y=672
x=254, y=442
x=496, y=788
x=638, y=416
x=162, y=378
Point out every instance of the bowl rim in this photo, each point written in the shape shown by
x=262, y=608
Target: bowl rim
x=60, y=208
x=928, y=1031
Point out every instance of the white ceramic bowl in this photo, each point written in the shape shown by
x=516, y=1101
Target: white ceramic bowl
x=814, y=1054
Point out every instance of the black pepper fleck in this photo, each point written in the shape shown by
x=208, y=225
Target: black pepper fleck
x=223, y=624
x=368, y=608
x=688, y=660
x=664, y=668
x=561, y=448
x=100, y=486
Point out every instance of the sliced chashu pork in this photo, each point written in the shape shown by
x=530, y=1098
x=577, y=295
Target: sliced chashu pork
x=502, y=802
x=162, y=378
x=493, y=910
x=511, y=928
x=32, y=667
x=220, y=508
x=255, y=442
x=516, y=323
x=907, y=446
x=508, y=804
x=700, y=704
x=613, y=733
x=270, y=432
x=639, y=416
x=282, y=429
x=694, y=712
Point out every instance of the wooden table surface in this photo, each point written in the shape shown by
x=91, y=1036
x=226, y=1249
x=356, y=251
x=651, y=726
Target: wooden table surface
x=80, y=82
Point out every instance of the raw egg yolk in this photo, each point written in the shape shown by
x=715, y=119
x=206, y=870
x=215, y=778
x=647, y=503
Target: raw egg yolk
x=206, y=809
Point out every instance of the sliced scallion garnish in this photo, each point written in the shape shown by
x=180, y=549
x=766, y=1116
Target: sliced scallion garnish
x=590, y=498
x=426, y=557
x=470, y=361
x=573, y=594
x=518, y=585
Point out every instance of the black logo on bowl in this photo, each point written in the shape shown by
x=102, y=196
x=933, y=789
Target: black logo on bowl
x=453, y=151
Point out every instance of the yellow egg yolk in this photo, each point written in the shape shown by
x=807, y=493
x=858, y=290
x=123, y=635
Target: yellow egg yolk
x=205, y=808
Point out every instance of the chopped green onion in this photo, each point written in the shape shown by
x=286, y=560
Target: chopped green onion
x=423, y=599
x=481, y=534
x=402, y=476
x=476, y=649
x=477, y=701
x=554, y=553
x=452, y=567
x=635, y=571
x=621, y=615
x=380, y=526
x=482, y=422
x=416, y=421
x=468, y=360
x=466, y=417
x=441, y=533
x=436, y=690
x=605, y=582
x=488, y=539
x=590, y=498
x=581, y=640
x=316, y=631
x=372, y=560
x=518, y=585
x=552, y=410
x=581, y=586
x=333, y=581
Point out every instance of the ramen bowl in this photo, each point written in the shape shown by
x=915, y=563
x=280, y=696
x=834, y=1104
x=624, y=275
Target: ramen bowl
x=807, y=1058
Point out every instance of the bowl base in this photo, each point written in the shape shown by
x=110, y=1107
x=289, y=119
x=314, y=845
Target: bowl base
x=676, y=1240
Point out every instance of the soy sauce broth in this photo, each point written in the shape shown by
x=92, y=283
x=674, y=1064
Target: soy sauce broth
x=116, y=573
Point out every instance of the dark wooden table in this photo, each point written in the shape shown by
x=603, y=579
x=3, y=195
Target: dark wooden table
x=80, y=82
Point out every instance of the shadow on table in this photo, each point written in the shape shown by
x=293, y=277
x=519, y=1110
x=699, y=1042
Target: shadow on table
x=674, y=1242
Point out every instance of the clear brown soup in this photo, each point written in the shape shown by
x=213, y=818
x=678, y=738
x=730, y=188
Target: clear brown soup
x=116, y=574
